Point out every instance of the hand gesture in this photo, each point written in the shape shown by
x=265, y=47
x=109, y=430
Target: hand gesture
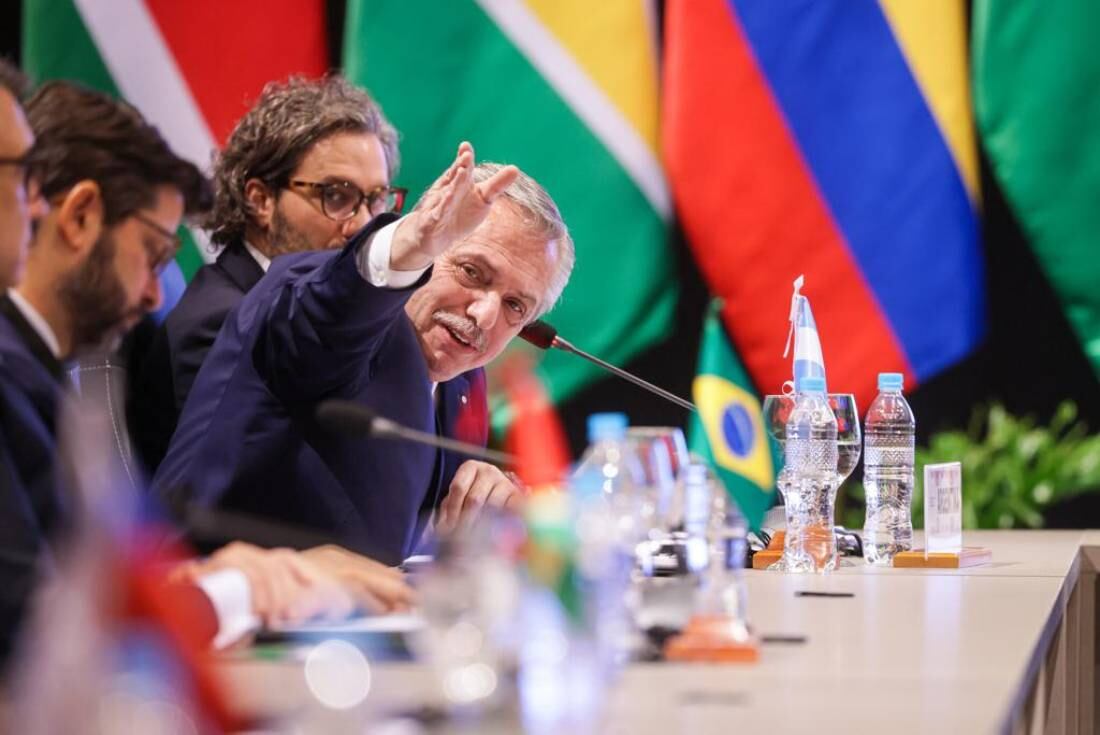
x=450, y=210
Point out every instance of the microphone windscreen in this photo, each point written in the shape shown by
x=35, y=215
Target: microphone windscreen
x=540, y=334
x=346, y=417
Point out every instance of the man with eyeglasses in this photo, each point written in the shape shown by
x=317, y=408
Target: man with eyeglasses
x=19, y=200
x=403, y=319
x=305, y=168
x=117, y=194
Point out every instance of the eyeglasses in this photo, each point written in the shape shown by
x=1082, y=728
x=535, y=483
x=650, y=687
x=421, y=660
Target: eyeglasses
x=27, y=163
x=159, y=258
x=341, y=200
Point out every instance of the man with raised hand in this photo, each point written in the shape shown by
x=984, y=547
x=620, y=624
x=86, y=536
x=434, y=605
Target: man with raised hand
x=402, y=319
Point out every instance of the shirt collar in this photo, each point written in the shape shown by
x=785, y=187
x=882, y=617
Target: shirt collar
x=261, y=259
x=37, y=322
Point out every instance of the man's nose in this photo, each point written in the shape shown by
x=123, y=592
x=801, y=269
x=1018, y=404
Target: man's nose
x=485, y=310
x=37, y=206
x=153, y=296
x=356, y=222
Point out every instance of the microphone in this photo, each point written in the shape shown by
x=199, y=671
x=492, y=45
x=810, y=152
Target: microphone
x=355, y=419
x=544, y=336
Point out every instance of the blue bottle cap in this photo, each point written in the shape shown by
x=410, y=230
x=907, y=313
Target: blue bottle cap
x=890, y=381
x=810, y=384
x=606, y=426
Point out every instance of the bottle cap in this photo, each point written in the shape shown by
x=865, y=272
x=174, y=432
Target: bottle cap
x=606, y=426
x=810, y=384
x=890, y=381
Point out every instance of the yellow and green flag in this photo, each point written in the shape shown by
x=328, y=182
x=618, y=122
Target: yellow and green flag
x=728, y=431
x=566, y=90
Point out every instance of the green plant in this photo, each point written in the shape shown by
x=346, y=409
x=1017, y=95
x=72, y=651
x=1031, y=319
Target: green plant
x=1012, y=469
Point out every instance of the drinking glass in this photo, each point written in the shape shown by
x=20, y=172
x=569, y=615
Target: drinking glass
x=662, y=453
x=849, y=439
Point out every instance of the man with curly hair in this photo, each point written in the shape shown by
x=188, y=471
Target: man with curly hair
x=303, y=170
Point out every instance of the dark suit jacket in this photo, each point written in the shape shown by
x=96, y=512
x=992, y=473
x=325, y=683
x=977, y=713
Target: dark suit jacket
x=32, y=511
x=248, y=442
x=162, y=374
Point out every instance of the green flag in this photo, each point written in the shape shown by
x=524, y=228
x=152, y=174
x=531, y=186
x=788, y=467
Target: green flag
x=1036, y=76
x=566, y=90
x=728, y=431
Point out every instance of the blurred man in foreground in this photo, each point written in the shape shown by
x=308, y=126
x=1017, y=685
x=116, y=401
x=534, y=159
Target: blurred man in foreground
x=19, y=200
x=117, y=194
x=303, y=170
x=402, y=319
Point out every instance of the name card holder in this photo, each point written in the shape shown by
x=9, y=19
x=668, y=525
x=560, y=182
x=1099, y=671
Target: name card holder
x=943, y=525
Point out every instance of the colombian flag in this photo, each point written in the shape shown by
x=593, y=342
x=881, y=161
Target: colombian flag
x=728, y=430
x=833, y=139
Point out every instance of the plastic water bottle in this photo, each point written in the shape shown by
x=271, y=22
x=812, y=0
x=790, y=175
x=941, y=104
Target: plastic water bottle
x=606, y=490
x=613, y=464
x=810, y=461
x=888, y=472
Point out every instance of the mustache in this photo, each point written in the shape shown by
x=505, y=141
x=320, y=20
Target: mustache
x=465, y=327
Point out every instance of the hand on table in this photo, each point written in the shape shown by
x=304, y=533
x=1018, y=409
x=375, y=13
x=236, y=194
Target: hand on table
x=476, y=485
x=372, y=585
x=286, y=587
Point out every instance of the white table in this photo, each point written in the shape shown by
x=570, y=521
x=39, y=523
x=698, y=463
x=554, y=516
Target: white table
x=1008, y=647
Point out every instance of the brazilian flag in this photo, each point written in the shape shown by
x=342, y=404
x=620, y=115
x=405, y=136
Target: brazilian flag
x=728, y=430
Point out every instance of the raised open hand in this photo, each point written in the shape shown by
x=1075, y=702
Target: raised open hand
x=450, y=210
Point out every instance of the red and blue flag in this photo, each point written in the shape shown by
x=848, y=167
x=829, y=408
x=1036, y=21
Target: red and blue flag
x=832, y=139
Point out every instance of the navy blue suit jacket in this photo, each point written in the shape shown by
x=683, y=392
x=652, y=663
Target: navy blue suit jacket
x=162, y=376
x=32, y=510
x=247, y=440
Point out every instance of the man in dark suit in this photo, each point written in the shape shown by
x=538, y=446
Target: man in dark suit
x=117, y=194
x=302, y=138
x=401, y=319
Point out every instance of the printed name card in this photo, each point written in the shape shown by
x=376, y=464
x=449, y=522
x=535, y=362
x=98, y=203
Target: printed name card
x=943, y=507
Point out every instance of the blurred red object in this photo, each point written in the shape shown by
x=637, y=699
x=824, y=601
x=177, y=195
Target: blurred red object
x=535, y=438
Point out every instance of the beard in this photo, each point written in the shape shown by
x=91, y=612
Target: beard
x=286, y=238
x=95, y=300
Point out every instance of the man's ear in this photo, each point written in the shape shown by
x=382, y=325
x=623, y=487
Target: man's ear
x=261, y=202
x=80, y=216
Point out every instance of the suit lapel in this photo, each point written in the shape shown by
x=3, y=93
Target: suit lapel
x=240, y=266
x=33, y=342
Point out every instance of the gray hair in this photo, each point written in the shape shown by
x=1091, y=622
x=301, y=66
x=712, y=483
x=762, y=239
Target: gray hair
x=542, y=218
x=273, y=137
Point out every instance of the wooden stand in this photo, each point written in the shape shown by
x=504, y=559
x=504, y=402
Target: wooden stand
x=766, y=557
x=712, y=639
x=970, y=556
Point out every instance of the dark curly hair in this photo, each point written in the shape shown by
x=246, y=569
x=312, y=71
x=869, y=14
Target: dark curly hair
x=273, y=137
x=82, y=135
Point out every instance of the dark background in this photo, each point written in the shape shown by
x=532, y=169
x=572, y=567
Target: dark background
x=1030, y=360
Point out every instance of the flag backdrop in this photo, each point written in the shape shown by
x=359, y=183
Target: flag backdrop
x=192, y=68
x=832, y=139
x=1036, y=78
x=565, y=89
x=728, y=431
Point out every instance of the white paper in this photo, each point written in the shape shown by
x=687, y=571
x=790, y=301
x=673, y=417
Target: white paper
x=394, y=623
x=943, y=507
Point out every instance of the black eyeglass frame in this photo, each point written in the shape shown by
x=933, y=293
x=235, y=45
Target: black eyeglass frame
x=321, y=187
x=159, y=263
x=25, y=162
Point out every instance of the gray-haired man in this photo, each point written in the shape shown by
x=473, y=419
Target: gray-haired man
x=375, y=323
